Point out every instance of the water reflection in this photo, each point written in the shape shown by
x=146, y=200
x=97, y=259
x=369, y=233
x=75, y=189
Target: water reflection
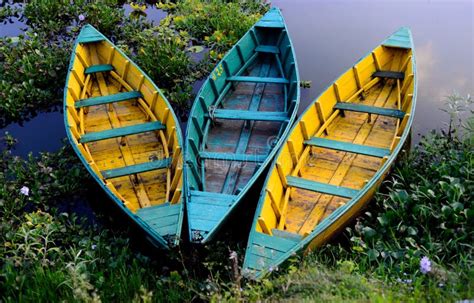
x=330, y=36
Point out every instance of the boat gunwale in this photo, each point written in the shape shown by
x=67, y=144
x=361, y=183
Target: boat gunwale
x=340, y=211
x=158, y=239
x=264, y=165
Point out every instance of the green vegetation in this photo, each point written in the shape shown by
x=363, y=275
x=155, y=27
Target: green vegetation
x=33, y=66
x=415, y=242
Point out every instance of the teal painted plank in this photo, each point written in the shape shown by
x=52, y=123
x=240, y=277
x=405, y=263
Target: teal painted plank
x=166, y=212
x=167, y=230
x=201, y=224
x=259, y=79
x=389, y=112
x=272, y=242
x=108, y=99
x=231, y=114
x=121, y=131
x=159, y=211
x=265, y=252
x=286, y=234
x=324, y=188
x=233, y=157
x=267, y=49
x=401, y=39
x=163, y=221
x=389, y=75
x=98, y=68
x=90, y=39
x=136, y=169
x=258, y=262
x=349, y=147
x=211, y=197
x=271, y=24
x=209, y=212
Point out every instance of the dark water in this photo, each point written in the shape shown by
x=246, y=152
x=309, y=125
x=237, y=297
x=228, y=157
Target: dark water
x=329, y=37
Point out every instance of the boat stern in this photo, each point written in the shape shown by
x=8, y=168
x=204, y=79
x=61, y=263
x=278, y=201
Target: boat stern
x=264, y=252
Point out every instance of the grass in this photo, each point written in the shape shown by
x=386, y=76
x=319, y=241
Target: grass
x=53, y=250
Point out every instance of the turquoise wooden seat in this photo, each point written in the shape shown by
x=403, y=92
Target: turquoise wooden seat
x=319, y=187
x=136, y=169
x=267, y=49
x=121, y=131
x=349, y=147
x=98, y=68
x=258, y=79
x=382, y=111
x=231, y=114
x=389, y=75
x=232, y=157
x=108, y=99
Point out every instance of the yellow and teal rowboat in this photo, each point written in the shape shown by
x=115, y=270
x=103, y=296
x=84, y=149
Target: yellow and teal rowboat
x=125, y=132
x=336, y=156
x=239, y=119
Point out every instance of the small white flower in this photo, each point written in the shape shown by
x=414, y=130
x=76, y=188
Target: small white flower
x=25, y=191
x=93, y=246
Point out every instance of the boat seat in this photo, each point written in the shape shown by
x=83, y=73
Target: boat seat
x=324, y=188
x=258, y=79
x=382, y=111
x=232, y=157
x=121, y=131
x=136, y=169
x=98, y=68
x=231, y=114
x=349, y=147
x=267, y=49
x=108, y=99
x=389, y=75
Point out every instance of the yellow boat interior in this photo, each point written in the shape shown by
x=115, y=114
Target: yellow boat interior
x=122, y=126
x=340, y=142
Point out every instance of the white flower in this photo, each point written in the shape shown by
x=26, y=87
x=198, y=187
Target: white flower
x=93, y=246
x=25, y=191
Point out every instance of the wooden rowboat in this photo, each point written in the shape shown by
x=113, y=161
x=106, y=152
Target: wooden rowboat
x=336, y=155
x=125, y=132
x=239, y=119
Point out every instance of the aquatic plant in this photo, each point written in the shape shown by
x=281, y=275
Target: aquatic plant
x=32, y=73
x=218, y=24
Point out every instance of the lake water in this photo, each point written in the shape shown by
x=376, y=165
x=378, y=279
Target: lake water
x=329, y=37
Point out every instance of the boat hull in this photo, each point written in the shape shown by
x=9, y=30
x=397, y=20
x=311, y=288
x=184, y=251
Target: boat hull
x=126, y=134
x=336, y=156
x=240, y=117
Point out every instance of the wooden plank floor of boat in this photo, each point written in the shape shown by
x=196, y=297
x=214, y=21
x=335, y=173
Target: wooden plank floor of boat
x=235, y=136
x=149, y=188
x=341, y=168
